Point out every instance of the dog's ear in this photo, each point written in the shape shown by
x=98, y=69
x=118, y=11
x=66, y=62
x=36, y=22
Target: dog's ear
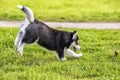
x=74, y=34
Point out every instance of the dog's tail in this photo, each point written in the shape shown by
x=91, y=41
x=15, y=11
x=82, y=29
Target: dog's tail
x=28, y=13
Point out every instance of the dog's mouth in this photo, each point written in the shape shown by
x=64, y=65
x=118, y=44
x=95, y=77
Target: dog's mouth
x=76, y=47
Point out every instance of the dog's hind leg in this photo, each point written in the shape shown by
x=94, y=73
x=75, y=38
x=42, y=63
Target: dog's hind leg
x=20, y=48
x=60, y=54
x=18, y=39
x=72, y=53
x=18, y=42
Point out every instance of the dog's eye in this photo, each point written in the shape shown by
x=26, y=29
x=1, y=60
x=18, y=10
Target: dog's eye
x=77, y=38
x=77, y=41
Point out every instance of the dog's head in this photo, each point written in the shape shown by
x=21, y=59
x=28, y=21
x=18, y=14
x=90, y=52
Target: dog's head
x=75, y=41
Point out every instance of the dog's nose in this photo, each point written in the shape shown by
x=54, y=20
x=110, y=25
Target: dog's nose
x=77, y=47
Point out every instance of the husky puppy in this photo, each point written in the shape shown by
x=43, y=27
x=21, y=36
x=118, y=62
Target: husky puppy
x=33, y=30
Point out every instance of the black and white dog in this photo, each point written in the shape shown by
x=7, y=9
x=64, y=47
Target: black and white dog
x=33, y=30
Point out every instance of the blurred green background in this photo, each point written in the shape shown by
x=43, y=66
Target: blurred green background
x=63, y=10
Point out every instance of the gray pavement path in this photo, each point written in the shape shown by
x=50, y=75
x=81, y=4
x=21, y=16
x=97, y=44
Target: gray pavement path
x=82, y=25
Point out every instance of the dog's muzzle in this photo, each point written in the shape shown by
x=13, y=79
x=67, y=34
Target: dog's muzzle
x=77, y=47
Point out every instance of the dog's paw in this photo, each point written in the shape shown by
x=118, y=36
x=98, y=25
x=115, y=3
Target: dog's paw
x=62, y=59
x=20, y=53
x=78, y=55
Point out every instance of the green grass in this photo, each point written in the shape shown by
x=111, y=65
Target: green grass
x=98, y=61
x=63, y=10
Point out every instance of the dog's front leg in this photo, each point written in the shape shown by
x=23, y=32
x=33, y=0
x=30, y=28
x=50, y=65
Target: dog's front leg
x=60, y=54
x=72, y=53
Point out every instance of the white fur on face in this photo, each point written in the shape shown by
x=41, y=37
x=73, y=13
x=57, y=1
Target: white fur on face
x=77, y=47
x=73, y=44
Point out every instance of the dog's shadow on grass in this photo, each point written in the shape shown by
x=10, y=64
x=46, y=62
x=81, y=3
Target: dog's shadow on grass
x=36, y=61
x=27, y=60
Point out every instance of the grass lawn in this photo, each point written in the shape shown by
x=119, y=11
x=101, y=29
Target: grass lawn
x=63, y=10
x=98, y=61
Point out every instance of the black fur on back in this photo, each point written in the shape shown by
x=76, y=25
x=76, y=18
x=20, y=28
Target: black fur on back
x=47, y=37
